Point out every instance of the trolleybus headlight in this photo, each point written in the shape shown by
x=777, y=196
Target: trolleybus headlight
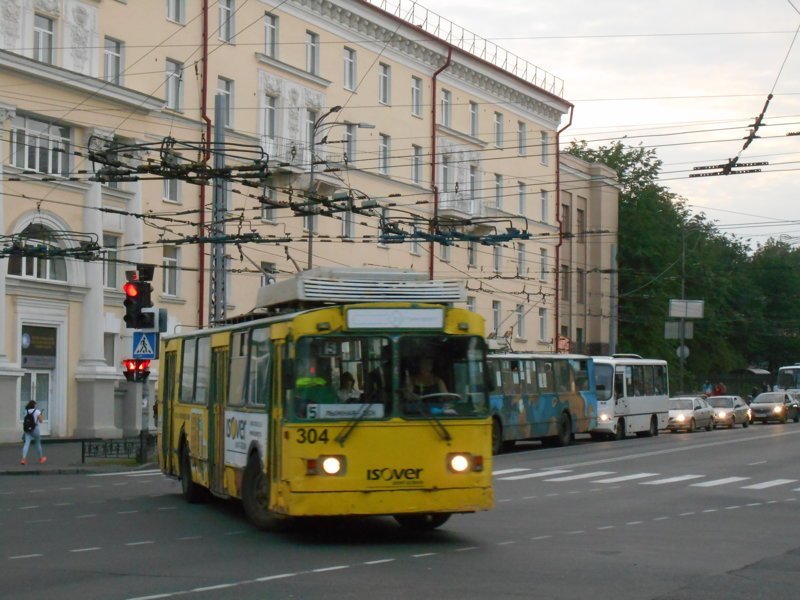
x=462, y=462
x=777, y=410
x=604, y=417
x=326, y=465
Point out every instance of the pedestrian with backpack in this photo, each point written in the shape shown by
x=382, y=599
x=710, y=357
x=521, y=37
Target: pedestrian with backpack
x=31, y=431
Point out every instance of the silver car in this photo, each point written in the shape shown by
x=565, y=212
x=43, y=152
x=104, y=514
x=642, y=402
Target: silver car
x=775, y=406
x=730, y=410
x=689, y=413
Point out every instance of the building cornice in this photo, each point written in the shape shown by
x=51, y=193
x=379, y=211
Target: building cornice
x=96, y=87
x=291, y=70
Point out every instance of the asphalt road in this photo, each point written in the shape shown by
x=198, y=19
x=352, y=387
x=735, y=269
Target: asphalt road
x=682, y=516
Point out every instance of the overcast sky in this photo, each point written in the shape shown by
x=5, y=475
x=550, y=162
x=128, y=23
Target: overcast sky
x=686, y=77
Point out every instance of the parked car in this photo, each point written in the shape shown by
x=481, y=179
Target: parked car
x=689, y=413
x=730, y=410
x=775, y=406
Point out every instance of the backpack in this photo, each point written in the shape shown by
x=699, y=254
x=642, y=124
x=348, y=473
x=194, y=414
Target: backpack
x=29, y=422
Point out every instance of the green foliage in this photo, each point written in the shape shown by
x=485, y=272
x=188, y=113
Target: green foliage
x=665, y=253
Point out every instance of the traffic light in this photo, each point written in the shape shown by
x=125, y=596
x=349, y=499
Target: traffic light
x=136, y=369
x=137, y=297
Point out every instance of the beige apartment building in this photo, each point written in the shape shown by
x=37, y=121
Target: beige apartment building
x=381, y=124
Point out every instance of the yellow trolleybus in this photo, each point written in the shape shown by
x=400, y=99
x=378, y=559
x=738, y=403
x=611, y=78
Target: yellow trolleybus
x=345, y=392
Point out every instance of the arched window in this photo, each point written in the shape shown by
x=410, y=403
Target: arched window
x=33, y=257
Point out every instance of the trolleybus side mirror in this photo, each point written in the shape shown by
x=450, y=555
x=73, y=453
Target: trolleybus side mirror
x=287, y=373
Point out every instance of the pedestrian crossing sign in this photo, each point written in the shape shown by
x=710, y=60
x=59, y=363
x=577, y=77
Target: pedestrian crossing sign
x=145, y=344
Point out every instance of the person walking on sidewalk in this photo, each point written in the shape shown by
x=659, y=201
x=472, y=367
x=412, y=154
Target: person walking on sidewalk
x=33, y=435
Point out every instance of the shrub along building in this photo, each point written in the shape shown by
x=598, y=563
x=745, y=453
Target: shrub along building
x=387, y=144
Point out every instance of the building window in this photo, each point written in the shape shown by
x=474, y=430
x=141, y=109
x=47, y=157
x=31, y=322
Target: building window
x=416, y=164
x=111, y=264
x=112, y=61
x=35, y=265
x=498, y=129
x=497, y=258
x=176, y=10
x=268, y=272
x=498, y=190
x=350, y=142
x=473, y=182
x=497, y=316
x=522, y=192
x=580, y=225
x=109, y=349
x=566, y=287
x=171, y=190
x=544, y=197
x=43, y=39
x=566, y=220
x=521, y=139
x=473, y=119
x=445, y=173
x=348, y=221
x=170, y=265
x=384, y=151
x=472, y=305
x=225, y=89
x=312, y=52
x=416, y=96
x=543, y=266
x=270, y=116
x=446, y=115
x=349, y=68
x=40, y=146
x=226, y=26
x=520, y=310
x=472, y=253
x=543, y=325
x=271, y=35
x=384, y=83
x=415, y=243
x=545, y=148
x=174, y=85
x=521, y=260
x=580, y=286
x=445, y=252
x=268, y=212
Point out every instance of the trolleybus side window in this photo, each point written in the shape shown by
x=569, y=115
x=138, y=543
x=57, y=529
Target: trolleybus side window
x=530, y=386
x=564, y=376
x=604, y=380
x=187, y=370
x=511, y=377
x=259, y=379
x=546, y=376
x=238, y=370
x=660, y=380
x=580, y=370
x=203, y=370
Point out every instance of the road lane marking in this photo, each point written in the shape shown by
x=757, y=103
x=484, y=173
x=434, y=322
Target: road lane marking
x=380, y=561
x=506, y=543
x=532, y=475
x=769, y=484
x=581, y=476
x=23, y=556
x=710, y=510
x=761, y=462
x=127, y=512
x=126, y=473
x=660, y=518
x=271, y=577
x=626, y=478
x=507, y=471
x=541, y=537
x=687, y=514
x=190, y=537
x=604, y=527
x=466, y=549
x=335, y=568
x=142, y=543
x=634, y=522
x=29, y=507
x=423, y=555
x=716, y=482
x=671, y=479
x=91, y=549
x=89, y=516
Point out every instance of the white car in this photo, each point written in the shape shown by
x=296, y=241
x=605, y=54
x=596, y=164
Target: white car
x=689, y=413
x=730, y=410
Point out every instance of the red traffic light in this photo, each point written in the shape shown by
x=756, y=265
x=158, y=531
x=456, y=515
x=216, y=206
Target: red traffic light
x=136, y=369
x=131, y=289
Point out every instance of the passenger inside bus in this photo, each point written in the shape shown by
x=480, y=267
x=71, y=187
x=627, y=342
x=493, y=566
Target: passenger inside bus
x=347, y=388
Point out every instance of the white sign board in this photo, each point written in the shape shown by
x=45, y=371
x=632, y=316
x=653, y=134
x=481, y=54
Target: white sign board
x=241, y=429
x=395, y=318
x=686, y=309
x=672, y=330
x=345, y=411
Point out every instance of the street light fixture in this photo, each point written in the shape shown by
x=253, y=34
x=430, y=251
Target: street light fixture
x=319, y=124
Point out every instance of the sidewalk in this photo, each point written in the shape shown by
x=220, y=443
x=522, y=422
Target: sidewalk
x=63, y=458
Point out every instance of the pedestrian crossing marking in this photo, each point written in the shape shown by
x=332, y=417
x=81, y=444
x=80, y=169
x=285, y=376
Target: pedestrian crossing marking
x=626, y=478
x=581, y=476
x=716, y=482
x=769, y=484
x=671, y=479
x=538, y=474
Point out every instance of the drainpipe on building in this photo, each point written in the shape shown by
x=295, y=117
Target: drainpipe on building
x=201, y=276
x=434, y=187
x=558, y=220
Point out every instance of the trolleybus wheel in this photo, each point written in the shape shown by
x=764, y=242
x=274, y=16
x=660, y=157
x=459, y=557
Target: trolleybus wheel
x=497, y=436
x=653, y=426
x=424, y=522
x=255, y=495
x=620, y=433
x=191, y=491
x=564, y=437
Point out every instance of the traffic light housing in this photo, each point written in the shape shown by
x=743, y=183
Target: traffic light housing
x=136, y=369
x=137, y=298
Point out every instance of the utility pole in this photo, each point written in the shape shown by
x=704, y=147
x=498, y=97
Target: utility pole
x=218, y=296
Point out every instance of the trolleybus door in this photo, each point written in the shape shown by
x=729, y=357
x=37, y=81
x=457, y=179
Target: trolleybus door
x=216, y=434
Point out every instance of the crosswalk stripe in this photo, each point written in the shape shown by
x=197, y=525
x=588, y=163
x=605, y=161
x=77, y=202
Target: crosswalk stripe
x=716, y=482
x=768, y=484
x=626, y=478
x=671, y=479
x=580, y=476
x=532, y=475
x=507, y=471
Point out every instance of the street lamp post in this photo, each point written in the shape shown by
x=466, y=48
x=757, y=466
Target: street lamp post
x=318, y=124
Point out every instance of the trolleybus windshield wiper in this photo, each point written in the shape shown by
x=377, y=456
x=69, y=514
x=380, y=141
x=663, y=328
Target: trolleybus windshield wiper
x=345, y=433
x=434, y=420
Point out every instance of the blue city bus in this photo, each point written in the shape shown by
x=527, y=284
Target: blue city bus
x=548, y=397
